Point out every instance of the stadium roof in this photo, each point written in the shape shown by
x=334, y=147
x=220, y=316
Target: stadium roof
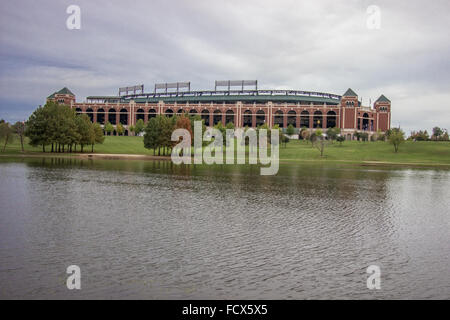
x=235, y=98
x=217, y=96
x=229, y=95
x=104, y=97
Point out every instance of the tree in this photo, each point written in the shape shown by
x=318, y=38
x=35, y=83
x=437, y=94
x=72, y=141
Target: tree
x=380, y=135
x=284, y=139
x=361, y=136
x=419, y=135
x=99, y=137
x=437, y=133
x=139, y=127
x=230, y=125
x=37, y=127
x=168, y=125
x=59, y=126
x=396, y=137
x=85, y=130
x=290, y=130
x=67, y=132
x=445, y=136
x=6, y=133
x=313, y=137
x=19, y=129
x=340, y=139
x=109, y=128
x=364, y=136
x=131, y=128
x=332, y=133
x=183, y=122
x=120, y=129
x=305, y=134
x=152, y=134
x=321, y=142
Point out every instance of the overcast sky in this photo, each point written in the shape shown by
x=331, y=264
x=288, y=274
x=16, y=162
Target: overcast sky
x=307, y=45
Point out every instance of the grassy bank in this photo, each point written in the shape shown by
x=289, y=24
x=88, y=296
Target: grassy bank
x=428, y=152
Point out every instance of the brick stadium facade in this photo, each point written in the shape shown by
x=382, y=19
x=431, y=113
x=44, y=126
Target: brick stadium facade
x=250, y=108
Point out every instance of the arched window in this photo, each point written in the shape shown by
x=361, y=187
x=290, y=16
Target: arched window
x=260, y=118
x=90, y=114
x=365, y=121
x=217, y=116
x=151, y=113
x=180, y=112
x=291, y=118
x=101, y=116
x=304, y=119
x=123, y=117
x=193, y=112
x=169, y=113
x=278, y=118
x=205, y=117
x=78, y=110
x=229, y=117
x=317, y=120
x=331, y=119
x=112, y=116
x=140, y=114
x=247, y=118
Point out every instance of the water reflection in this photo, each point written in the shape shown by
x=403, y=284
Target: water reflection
x=150, y=229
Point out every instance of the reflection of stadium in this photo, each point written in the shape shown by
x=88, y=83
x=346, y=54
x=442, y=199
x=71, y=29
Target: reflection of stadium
x=237, y=104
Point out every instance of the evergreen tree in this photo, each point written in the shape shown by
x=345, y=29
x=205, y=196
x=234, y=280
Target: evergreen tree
x=152, y=133
x=38, y=127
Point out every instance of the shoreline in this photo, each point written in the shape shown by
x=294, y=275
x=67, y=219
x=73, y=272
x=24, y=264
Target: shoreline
x=124, y=156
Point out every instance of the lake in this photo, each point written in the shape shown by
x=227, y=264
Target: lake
x=153, y=230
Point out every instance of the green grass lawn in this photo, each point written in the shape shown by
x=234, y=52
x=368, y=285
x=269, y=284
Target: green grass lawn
x=409, y=152
x=428, y=152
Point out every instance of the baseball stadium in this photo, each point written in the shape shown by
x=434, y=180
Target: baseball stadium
x=236, y=101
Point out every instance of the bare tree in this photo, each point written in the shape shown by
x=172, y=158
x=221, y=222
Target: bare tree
x=7, y=133
x=320, y=143
x=19, y=129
